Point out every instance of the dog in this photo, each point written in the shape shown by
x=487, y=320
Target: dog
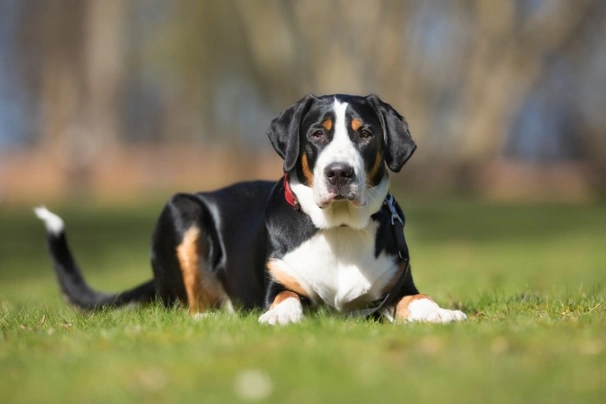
x=327, y=233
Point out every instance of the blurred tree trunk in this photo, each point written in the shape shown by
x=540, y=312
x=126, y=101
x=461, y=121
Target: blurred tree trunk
x=510, y=53
x=61, y=85
x=104, y=68
x=80, y=92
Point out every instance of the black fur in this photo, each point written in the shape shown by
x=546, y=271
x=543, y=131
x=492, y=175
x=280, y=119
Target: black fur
x=77, y=291
x=244, y=225
x=284, y=131
x=398, y=140
x=234, y=237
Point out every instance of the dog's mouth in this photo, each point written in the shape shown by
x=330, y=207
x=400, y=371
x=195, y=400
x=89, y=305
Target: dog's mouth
x=341, y=197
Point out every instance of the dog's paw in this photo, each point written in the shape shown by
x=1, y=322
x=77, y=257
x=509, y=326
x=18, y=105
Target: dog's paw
x=444, y=316
x=428, y=310
x=287, y=312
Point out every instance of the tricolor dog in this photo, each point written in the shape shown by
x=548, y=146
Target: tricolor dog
x=328, y=233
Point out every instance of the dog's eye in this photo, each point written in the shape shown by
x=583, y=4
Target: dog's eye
x=365, y=133
x=318, y=134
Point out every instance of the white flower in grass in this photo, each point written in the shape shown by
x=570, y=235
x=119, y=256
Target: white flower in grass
x=253, y=384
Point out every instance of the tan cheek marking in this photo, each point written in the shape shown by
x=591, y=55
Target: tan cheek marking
x=372, y=175
x=327, y=124
x=201, y=293
x=402, y=312
x=285, y=280
x=283, y=296
x=356, y=123
x=309, y=175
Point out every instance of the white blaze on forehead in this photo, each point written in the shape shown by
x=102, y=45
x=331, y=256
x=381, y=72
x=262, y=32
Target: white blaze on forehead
x=340, y=149
x=340, y=120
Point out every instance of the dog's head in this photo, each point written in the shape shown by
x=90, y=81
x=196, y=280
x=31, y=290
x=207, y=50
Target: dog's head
x=337, y=147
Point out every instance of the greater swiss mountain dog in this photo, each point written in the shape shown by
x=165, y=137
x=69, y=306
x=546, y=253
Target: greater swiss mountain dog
x=327, y=233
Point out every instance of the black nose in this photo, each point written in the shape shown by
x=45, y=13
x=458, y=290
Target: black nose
x=339, y=173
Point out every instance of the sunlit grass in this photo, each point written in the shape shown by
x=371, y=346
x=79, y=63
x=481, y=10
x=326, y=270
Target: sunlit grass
x=531, y=278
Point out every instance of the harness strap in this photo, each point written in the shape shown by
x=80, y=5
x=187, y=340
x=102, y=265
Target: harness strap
x=397, y=228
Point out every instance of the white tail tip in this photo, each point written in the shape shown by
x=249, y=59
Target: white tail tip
x=54, y=224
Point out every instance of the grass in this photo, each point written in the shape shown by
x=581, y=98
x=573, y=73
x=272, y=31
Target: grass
x=531, y=278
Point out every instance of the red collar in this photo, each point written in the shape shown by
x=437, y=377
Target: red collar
x=289, y=195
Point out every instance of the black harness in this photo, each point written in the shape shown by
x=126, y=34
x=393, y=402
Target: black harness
x=397, y=229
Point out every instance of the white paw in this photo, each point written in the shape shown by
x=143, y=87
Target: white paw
x=428, y=310
x=202, y=316
x=288, y=312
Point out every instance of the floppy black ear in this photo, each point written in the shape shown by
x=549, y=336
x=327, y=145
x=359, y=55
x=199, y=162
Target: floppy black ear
x=399, y=145
x=284, y=131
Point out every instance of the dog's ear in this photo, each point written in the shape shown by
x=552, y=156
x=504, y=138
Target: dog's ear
x=399, y=145
x=284, y=131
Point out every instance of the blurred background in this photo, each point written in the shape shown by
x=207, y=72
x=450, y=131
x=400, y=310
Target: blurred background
x=107, y=107
x=114, y=100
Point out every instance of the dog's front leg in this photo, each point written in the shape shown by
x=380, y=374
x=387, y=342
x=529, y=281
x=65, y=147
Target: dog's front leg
x=285, y=309
x=421, y=308
x=284, y=298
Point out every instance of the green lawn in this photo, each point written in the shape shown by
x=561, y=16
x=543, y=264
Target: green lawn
x=531, y=278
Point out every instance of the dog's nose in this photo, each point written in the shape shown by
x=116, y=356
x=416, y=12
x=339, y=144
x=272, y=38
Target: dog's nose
x=339, y=173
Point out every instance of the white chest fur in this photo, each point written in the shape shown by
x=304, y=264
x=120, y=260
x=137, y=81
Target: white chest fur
x=338, y=266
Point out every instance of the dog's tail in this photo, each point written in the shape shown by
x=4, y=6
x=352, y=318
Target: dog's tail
x=72, y=283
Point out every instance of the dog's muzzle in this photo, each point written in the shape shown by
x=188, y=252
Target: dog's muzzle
x=341, y=181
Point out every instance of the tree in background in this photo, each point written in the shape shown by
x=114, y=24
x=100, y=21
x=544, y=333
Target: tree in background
x=479, y=81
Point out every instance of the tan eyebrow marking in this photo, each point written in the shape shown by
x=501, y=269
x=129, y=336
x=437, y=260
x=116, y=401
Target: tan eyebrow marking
x=327, y=124
x=356, y=123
